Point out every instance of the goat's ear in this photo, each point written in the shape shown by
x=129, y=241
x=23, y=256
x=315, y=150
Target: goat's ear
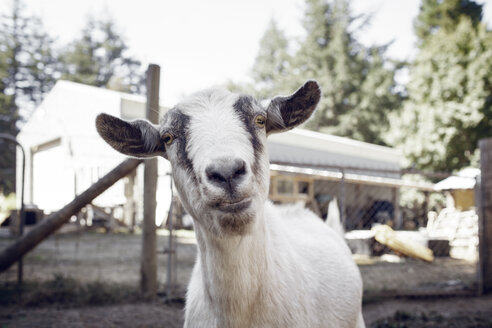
x=286, y=112
x=136, y=138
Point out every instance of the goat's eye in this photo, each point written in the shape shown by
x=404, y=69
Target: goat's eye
x=167, y=138
x=260, y=121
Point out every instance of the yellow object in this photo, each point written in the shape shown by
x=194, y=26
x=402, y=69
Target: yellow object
x=388, y=237
x=464, y=199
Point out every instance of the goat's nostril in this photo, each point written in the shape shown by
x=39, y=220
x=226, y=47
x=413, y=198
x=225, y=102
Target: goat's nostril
x=215, y=176
x=241, y=170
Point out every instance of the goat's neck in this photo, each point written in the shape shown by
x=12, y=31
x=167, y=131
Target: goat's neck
x=235, y=268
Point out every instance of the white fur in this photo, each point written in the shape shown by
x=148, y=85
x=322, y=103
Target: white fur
x=286, y=269
x=289, y=272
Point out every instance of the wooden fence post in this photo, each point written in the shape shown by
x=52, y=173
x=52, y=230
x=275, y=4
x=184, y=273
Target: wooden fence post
x=148, y=267
x=485, y=217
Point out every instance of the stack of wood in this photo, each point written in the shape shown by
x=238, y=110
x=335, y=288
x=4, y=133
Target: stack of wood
x=459, y=229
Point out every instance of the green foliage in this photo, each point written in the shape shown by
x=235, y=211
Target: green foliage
x=100, y=58
x=436, y=15
x=357, y=82
x=449, y=105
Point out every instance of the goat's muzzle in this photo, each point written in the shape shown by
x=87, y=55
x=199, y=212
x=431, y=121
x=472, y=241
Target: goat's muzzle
x=226, y=173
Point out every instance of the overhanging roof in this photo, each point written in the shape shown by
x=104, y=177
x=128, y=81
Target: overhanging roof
x=331, y=175
x=303, y=148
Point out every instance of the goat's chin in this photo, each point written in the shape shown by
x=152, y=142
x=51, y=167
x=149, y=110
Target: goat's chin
x=235, y=219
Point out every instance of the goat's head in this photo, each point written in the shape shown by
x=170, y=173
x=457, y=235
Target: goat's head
x=216, y=143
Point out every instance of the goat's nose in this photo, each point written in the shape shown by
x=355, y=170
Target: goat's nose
x=226, y=173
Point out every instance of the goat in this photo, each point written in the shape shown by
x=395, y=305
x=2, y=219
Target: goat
x=257, y=265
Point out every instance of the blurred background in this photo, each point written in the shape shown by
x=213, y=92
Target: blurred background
x=392, y=151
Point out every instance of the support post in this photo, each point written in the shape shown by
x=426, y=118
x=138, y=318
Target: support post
x=396, y=210
x=129, y=207
x=148, y=267
x=423, y=220
x=22, y=217
x=485, y=217
x=343, y=217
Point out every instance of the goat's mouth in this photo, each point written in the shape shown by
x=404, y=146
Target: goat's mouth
x=233, y=207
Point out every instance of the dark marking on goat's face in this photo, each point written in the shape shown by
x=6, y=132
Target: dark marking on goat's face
x=245, y=109
x=177, y=124
x=181, y=123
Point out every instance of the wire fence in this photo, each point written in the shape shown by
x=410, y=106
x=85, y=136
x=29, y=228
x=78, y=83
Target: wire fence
x=406, y=237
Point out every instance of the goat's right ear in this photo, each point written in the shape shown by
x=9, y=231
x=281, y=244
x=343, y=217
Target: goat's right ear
x=285, y=113
x=136, y=138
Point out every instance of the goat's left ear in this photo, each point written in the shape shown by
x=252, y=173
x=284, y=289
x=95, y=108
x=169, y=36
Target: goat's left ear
x=286, y=112
x=137, y=138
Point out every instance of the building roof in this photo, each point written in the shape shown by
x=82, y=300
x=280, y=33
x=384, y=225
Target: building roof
x=308, y=148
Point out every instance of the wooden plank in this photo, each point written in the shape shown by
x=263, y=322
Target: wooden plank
x=54, y=221
x=148, y=267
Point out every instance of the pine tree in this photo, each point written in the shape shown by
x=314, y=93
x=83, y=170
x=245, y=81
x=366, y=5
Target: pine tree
x=100, y=58
x=435, y=15
x=449, y=106
x=272, y=63
x=27, y=72
x=358, y=87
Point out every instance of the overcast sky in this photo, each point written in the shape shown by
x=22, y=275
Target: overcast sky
x=201, y=43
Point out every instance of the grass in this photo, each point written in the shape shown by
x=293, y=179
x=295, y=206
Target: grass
x=66, y=292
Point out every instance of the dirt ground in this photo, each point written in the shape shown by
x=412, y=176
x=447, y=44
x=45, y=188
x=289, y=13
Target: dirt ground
x=121, y=316
x=90, y=258
x=448, y=312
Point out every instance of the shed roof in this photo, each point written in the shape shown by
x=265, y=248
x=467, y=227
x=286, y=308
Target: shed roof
x=305, y=148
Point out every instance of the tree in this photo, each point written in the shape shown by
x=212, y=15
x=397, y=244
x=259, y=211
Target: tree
x=272, y=63
x=100, y=58
x=449, y=106
x=27, y=72
x=435, y=15
x=8, y=119
x=358, y=86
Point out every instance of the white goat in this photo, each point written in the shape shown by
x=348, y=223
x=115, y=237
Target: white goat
x=257, y=265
